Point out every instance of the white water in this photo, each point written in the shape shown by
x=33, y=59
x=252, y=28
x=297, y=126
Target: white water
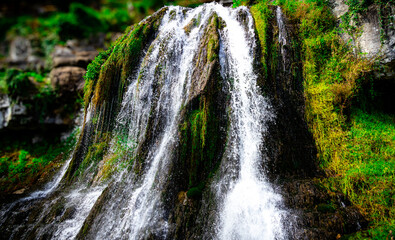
x=172, y=51
x=83, y=202
x=250, y=207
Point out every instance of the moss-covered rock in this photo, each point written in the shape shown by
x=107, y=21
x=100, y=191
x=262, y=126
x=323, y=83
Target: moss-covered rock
x=106, y=82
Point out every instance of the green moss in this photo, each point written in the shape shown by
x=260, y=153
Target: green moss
x=95, y=153
x=196, y=192
x=117, y=63
x=213, y=40
x=381, y=230
x=262, y=15
x=237, y=3
x=18, y=83
x=326, y=208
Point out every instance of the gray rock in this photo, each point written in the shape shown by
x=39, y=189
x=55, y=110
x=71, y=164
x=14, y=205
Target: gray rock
x=20, y=49
x=67, y=56
x=369, y=40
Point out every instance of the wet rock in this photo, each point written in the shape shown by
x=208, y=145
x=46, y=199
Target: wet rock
x=205, y=59
x=320, y=215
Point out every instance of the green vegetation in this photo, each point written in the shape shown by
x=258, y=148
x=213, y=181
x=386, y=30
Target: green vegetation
x=237, y=3
x=262, y=14
x=16, y=83
x=200, y=155
x=22, y=164
x=47, y=31
x=355, y=147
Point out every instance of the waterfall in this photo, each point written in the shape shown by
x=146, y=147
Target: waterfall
x=130, y=205
x=249, y=203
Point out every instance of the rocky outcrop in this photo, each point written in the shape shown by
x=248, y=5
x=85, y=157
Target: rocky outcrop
x=292, y=162
x=24, y=53
x=69, y=66
x=31, y=111
x=375, y=40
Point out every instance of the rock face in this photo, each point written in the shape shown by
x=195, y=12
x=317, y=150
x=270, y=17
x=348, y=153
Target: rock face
x=369, y=41
x=69, y=66
x=291, y=148
x=23, y=54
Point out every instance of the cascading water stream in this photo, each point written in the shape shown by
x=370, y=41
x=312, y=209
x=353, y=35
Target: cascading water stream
x=172, y=51
x=249, y=206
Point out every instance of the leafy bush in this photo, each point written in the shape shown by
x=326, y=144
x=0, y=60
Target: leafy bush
x=18, y=83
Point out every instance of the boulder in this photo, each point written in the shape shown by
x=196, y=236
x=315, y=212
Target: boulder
x=68, y=79
x=66, y=56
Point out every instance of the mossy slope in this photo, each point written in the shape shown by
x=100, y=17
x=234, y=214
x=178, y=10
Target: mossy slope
x=105, y=83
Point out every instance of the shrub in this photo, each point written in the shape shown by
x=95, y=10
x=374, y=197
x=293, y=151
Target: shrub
x=18, y=83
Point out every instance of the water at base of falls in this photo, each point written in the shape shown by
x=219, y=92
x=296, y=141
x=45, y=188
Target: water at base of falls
x=248, y=206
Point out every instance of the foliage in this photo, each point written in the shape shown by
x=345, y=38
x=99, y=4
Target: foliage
x=17, y=82
x=92, y=73
x=121, y=158
x=80, y=21
x=116, y=64
x=237, y=3
x=22, y=163
x=44, y=101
